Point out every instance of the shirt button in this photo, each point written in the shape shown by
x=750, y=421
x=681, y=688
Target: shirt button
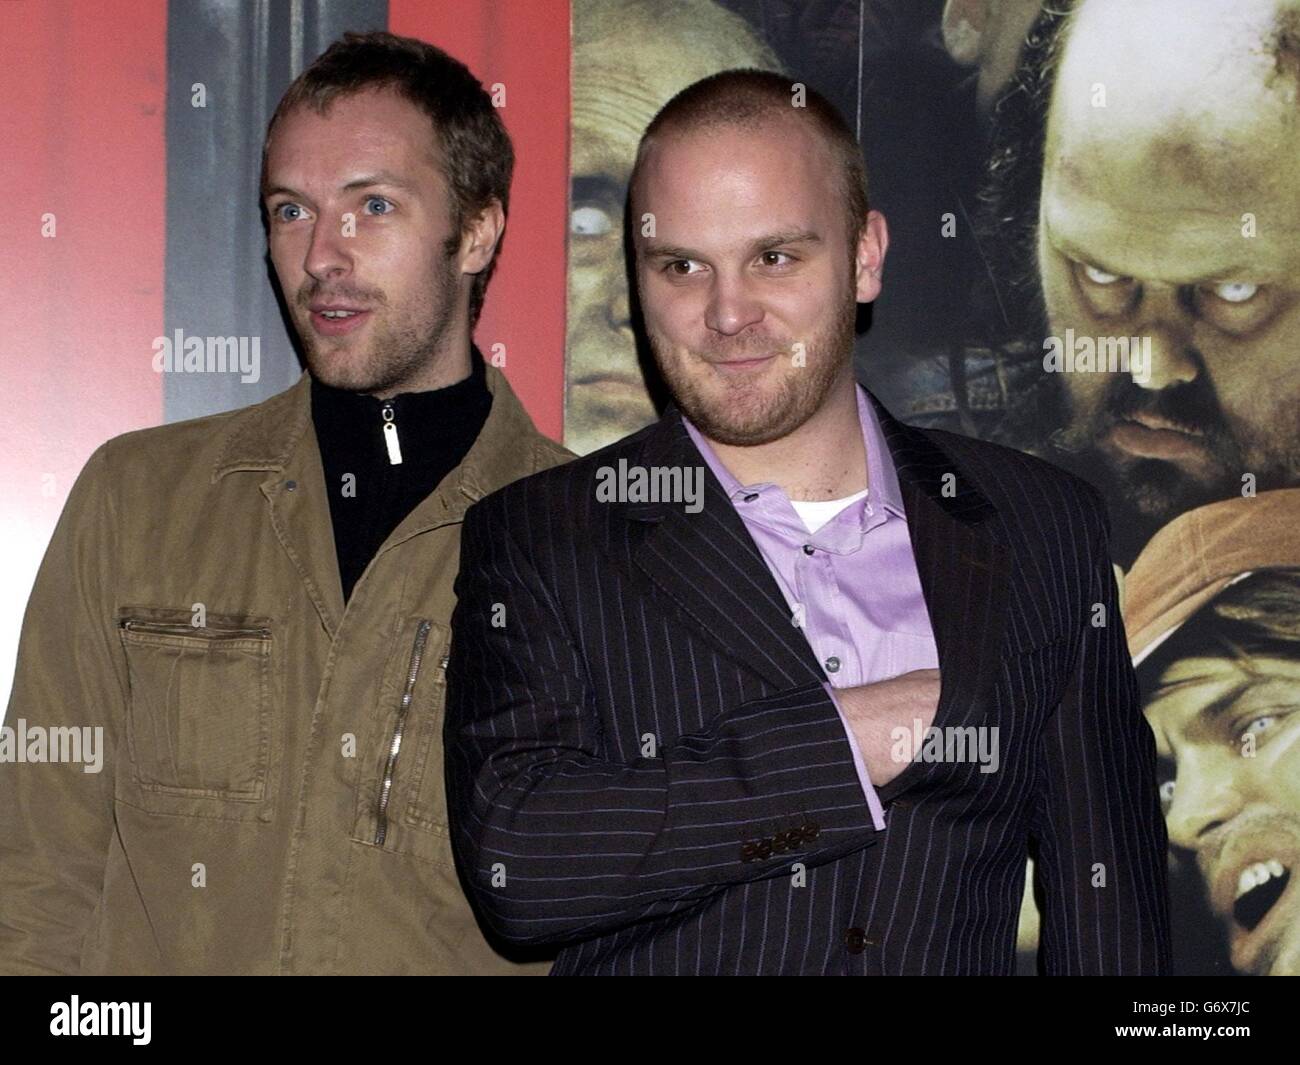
x=290, y=486
x=750, y=497
x=808, y=549
x=832, y=664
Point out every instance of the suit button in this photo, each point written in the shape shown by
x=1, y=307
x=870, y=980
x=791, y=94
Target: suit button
x=810, y=831
x=765, y=848
x=747, y=852
x=855, y=939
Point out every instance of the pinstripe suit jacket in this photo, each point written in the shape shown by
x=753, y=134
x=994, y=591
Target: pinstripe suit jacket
x=643, y=769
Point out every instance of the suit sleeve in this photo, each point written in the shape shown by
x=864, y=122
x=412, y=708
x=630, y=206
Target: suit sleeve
x=859, y=763
x=558, y=840
x=56, y=819
x=1098, y=828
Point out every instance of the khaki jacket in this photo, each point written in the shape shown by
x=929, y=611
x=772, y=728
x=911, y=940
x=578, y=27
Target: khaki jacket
x=271, y=796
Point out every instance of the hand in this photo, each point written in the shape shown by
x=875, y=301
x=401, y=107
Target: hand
x=873, y=711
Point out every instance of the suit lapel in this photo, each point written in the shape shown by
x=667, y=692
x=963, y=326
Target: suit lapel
x=964, y=575
x=709, y=568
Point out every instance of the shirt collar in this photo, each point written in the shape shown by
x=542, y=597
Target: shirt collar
x=882, y=476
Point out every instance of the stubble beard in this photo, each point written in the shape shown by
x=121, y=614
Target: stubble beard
x=395, y=352
x=747, y=413
x=1157, y=491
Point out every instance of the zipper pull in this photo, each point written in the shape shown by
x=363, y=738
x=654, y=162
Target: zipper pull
x=390, y=435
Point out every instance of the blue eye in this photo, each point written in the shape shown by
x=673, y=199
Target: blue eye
x=379, y=199
x=1259, y=724
x=281, y=207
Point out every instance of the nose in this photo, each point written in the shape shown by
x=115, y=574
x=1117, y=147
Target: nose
x=618, y=313
x=1167, y=322
x=1172, y=362
x=329, y=255
x=732, y=307
x=1205, y=796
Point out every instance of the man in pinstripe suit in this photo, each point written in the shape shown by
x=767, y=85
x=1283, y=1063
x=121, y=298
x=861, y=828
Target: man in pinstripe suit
x=703, y=732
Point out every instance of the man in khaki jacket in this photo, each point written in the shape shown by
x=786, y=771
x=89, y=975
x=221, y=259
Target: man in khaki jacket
x=254, y=607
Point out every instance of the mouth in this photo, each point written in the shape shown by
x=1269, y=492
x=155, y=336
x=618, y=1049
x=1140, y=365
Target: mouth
x=623, y=389
x=610, y=380
x=1152, y=437
x=1250, y=895
x=615, y=399
x=733, y=367
x=333, y=320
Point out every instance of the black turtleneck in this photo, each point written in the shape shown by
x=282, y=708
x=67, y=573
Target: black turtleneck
x=435, y=431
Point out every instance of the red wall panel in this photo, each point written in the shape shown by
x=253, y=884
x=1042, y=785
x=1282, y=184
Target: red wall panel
x=81, y=139
x=523, y=46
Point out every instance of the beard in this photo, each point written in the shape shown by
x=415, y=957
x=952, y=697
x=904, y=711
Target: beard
x=1157, y=490
x=747, y=413
x=395, y=350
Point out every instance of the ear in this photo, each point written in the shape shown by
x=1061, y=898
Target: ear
x=870, y=258
x=964, y=23
x=480, y=239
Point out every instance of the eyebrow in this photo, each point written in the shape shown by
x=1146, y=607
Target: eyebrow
x=1203, y=721
x=597, y=187
x=1077, y=254
x=365, y=181
x=654, y=250
x=1208, y=717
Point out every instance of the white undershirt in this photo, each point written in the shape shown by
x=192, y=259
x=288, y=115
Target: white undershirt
x=817, y=512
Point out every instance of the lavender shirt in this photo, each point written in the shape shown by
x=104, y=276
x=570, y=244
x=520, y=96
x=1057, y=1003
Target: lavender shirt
x=858, y=593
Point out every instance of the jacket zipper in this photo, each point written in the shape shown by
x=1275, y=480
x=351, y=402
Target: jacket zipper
x=395, y=745
x=389, y=414
x=162, y=628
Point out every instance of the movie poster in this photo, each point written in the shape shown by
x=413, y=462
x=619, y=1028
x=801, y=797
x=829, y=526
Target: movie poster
x=1095, y=257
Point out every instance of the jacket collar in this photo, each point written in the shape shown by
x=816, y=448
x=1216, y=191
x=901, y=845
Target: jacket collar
x=265, y=437
x=277, y=437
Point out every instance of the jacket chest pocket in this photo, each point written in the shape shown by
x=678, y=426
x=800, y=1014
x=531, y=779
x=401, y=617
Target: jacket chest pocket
x=403, y=808
x=198, y=726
